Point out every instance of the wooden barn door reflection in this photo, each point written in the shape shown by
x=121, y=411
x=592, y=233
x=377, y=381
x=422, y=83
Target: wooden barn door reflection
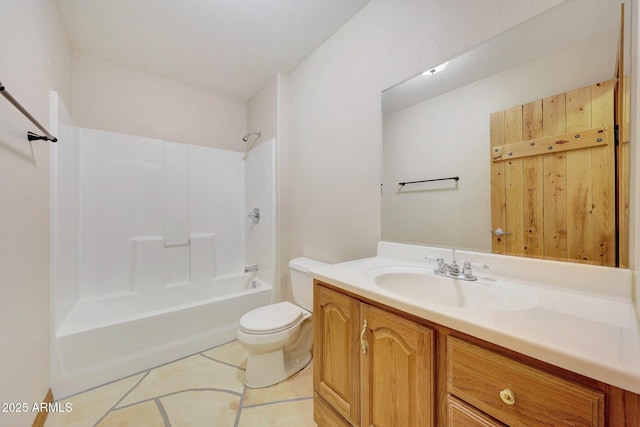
x=553, y=177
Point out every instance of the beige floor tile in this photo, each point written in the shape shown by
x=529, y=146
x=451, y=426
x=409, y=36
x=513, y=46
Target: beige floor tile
x=144, y=414
x=297, y=413
x=177, y=385
x=201, y=409
x=298, y=385
x=233, y=353
x=90, y=406
x=190, y=373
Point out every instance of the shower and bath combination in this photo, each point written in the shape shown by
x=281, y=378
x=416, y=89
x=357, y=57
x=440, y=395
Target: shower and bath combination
x=154, y=287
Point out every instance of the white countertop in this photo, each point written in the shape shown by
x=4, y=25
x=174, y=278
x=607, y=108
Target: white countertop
x=590, y=333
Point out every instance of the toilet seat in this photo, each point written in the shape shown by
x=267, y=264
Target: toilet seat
x=271, y=319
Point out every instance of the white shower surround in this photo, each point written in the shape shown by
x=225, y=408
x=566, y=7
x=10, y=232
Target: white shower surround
x=143, y=200
x=149, y=242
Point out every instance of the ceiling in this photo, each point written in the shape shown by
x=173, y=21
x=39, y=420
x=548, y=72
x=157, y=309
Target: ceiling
x=232, y=47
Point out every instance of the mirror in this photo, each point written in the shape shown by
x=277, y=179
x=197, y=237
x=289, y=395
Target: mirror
x=436, y=126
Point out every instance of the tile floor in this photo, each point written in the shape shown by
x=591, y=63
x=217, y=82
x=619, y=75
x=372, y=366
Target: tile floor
x=205, y=389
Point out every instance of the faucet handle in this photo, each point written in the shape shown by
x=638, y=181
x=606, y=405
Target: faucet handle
x=479, y=266
x=466, y=267
x=467, y=272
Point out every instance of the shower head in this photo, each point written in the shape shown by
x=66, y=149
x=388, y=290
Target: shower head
x=246, y=137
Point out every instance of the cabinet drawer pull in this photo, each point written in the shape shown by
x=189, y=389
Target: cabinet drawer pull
x=363, y=343
x=508, y=397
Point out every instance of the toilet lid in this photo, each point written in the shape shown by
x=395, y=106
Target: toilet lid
x=271, y=318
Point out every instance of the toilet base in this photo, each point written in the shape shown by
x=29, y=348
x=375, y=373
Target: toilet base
x=277, y=372
x=266, y=369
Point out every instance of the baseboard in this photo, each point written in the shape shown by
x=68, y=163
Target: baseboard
x=41, y=418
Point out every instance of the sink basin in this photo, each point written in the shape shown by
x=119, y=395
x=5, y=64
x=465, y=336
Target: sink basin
x=422, y=284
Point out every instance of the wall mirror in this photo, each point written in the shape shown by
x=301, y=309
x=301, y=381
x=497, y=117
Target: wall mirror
x=550, y=83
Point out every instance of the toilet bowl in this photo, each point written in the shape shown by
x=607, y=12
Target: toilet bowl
x=279, y=336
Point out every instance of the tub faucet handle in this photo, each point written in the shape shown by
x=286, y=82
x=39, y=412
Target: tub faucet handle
x=251, y=269
x=255, y=215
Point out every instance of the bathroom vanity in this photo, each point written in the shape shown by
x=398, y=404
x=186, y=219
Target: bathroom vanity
x=544, y=355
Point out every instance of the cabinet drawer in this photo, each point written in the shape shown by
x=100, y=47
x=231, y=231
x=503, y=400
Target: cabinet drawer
x=459, y=414
x=518, y=394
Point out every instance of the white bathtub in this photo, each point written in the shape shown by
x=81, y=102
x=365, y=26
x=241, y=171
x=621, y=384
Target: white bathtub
x=106, y=339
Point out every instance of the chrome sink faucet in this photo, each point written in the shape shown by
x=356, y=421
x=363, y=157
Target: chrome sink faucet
x=445, y=269
x=453, y=270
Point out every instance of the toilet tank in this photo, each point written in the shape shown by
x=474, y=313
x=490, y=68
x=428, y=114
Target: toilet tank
x=302, y=282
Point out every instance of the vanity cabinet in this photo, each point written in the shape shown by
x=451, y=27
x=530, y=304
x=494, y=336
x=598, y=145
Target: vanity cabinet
x=380, y=373
x=377, y=366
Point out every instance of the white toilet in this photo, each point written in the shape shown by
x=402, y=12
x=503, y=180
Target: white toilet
x=279, y=336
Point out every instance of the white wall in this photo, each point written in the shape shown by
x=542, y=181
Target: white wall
x=283, y=179
x=333, y=140
x=117, y=98
x=262, y=112
x=35, y=59
x=433, y=139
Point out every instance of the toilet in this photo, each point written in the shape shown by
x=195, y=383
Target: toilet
x=279, y=336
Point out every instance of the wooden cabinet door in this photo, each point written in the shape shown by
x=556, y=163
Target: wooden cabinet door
x=553, y=185
x=336, y=367
x=397, y=370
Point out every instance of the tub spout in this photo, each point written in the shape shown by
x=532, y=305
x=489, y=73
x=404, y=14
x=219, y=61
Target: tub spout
x=251, y=268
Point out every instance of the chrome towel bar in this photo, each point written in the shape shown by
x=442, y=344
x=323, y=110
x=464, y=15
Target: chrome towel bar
x=30, y=135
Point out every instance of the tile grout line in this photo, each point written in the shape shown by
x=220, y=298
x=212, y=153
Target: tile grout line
x=222, y=362
x=163, y=412
x=122, y=398
x=275, y=402
x=149, y=399
x=240, y=404
x=103, y=385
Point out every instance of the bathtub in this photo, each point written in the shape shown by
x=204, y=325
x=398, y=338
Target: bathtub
x=105, y=339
